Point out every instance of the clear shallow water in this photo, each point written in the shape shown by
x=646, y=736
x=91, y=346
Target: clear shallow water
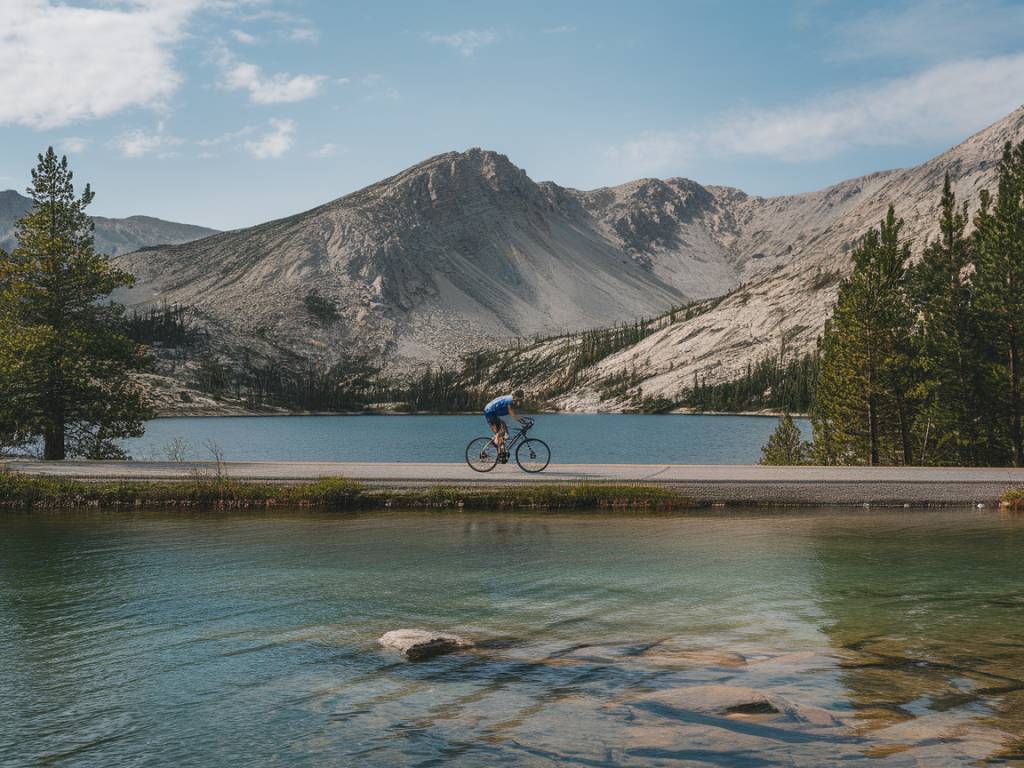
x=883, y=639
x=574, y=438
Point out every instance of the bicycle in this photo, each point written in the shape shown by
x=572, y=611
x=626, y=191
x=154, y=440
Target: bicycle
x=532, y=455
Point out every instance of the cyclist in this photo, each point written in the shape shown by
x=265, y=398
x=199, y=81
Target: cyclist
x=494, y=410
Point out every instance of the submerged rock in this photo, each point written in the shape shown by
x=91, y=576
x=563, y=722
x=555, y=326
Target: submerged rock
x=735, y=701
x=684, y=657
x=419, y=644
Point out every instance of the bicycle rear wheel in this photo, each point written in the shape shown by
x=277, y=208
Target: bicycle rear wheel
x=533, y=455
x=482, y=454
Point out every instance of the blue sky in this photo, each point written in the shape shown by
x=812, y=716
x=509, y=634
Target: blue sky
x=231, y=112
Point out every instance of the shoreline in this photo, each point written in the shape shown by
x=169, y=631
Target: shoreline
x=27, y=493
x=30, y=493
x=686, y=485
x=289, y=414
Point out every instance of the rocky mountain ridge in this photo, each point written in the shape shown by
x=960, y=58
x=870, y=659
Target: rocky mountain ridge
x=791, y=253
x=465, y=251
x=113, y=236
x=458, y=252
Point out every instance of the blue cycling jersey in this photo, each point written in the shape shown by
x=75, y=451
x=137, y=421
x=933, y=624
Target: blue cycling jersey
x=498, y=406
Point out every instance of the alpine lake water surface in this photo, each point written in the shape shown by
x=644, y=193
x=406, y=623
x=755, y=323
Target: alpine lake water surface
x=614, y=438
x=726, y=638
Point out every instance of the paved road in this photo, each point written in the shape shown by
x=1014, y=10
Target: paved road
x=705, y=483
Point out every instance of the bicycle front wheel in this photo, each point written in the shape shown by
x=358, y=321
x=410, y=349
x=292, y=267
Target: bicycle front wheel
x=482, y=454
x=533, y=455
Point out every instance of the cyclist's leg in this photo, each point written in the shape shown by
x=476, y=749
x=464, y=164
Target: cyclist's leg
x=495, y=426
x=500, y=433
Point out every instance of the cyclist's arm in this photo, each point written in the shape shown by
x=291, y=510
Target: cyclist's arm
x=514, y=415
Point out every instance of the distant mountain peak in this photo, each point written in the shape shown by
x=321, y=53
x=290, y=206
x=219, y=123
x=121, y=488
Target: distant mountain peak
x=113, y=236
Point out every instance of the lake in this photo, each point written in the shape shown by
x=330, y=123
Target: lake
x=735, y=639
x=574, y=438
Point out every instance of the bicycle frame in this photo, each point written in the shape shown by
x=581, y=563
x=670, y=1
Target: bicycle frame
x=513, y=440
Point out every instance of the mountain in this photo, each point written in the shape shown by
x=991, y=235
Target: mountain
x=466, y=251
x=791, y=252
x=113, y=236
x=459, y=251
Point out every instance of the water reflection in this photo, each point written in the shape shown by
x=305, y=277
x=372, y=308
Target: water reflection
x=928, y=625
x=733, y=639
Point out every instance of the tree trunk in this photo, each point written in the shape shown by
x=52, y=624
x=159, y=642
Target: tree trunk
x=908, y=451
x=53, y=440
x=873, y=431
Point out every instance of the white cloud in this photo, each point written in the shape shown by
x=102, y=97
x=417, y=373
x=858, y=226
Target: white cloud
x=304, y=35
x=275, y=143
x=343, y=80
x=74, y=144
x=62, y=63
x=941, y=103
x=931, y=30
x=564, y=29
x=139, y=143
x=327, y=150
x=225, y=138
x=244, y=37
x=378, y=88
x=274, y=89
x=467, y=41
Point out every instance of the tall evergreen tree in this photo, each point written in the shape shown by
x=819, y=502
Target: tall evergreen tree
x=865, y=396
x=12, y=432
x=70, y=383
x=950, y=348
x=999, y=285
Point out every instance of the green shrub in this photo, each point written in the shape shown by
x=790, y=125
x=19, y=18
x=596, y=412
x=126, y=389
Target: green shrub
x=1013, y=498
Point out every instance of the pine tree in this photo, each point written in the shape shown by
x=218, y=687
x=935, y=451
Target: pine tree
x=12, y=430
x=999, y=288
x=864, y=407
x=950, y=344
x=70, y=385
x=785, y=446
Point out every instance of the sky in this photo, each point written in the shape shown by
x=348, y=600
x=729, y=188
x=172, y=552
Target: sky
x=227, y=113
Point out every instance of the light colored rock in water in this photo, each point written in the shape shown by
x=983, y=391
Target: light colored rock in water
x=736, y=701
x=688, y=657
x=795, y=659
x=419, y=644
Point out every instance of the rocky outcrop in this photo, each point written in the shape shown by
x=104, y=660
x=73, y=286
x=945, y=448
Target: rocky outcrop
x=419, y=644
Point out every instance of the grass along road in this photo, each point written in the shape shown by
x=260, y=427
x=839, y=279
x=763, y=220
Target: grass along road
x=703, y=484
